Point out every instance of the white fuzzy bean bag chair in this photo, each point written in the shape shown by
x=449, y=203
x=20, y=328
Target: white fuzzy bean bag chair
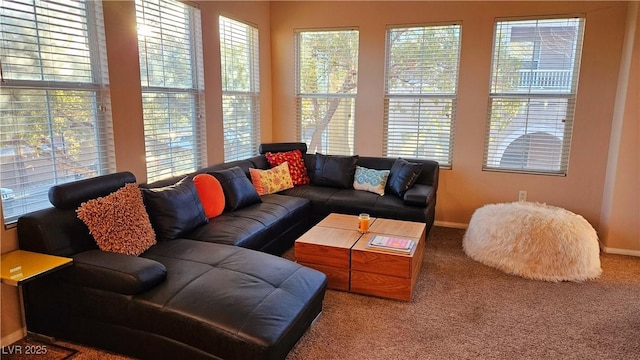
x=535, y=241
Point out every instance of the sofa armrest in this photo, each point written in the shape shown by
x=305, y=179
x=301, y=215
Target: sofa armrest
x=124, y=274
x=419, y=195
x=430, y=173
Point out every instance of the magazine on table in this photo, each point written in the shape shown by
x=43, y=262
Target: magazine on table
x=392, y=243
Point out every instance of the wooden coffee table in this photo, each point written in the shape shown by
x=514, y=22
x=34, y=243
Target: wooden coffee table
x=327, y=247
x=335, y=247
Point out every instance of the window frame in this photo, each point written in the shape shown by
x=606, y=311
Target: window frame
x=323, y=142
x=231, y=119
x=390, y=144
x=189, y=140
x=97, y=92
x=492, y=162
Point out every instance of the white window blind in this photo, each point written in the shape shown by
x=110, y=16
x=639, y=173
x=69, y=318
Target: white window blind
x=533, y=90
x=421, y=82
x=54, y=100
x=326, y=79
x=170, y=45
x=239, y=49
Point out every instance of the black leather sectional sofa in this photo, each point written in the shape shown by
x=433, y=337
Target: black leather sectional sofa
x=311, y=203
x=206, y=293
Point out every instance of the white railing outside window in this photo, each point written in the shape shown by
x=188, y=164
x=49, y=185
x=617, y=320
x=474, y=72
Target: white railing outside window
x=546, y=79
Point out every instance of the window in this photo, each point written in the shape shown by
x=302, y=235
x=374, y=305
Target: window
x=240, y=89
x=421, y=82
x=170, y=45
x=54, y=100
x=533, y=90
x=327, y=76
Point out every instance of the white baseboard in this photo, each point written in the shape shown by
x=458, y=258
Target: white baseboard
x=609, y=250
x=13, y=337
x=603, y=248
x=451, y=224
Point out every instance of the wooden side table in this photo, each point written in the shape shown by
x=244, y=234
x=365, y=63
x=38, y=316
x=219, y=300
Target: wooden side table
x=19, y=267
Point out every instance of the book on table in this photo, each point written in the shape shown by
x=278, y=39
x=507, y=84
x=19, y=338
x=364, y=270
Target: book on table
x=391, y=243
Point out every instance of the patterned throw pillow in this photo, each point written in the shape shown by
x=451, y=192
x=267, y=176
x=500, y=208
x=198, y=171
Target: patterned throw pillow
x=119, y=222
x=272, y=180
x=297, y=167
x=370, y=180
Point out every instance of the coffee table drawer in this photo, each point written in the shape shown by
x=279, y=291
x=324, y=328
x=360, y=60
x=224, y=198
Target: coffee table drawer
x=337, y=279
x=385, y=262
x=322, y=255
x=326, y=246
x=398, y=288
x=381, y=263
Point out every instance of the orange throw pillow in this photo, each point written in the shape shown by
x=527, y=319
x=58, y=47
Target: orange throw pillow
x=210, y=194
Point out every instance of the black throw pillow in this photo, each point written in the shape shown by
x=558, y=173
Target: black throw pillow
x=238, y=189
x=175, y=209
x=402, y=176
x=334, y=170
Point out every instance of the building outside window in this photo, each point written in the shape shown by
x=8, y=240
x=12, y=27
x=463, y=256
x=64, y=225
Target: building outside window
x=534, y=81
x=240, y=65
x=54, y=100
x=171, y=71
x=326, y=83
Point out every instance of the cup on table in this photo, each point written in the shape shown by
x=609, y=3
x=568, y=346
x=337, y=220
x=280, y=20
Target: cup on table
x=363, y=225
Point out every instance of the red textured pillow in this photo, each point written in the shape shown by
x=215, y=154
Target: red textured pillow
x=297, y=168
x=210, y=194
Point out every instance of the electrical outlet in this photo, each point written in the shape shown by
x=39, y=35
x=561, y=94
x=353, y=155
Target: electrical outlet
x=522, y=195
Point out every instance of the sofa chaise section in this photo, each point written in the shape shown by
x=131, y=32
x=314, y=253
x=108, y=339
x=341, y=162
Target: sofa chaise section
x=255, y=307
x=181, y=298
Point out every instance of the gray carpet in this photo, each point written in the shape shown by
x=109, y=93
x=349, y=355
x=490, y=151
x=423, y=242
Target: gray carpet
x=464, y=310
